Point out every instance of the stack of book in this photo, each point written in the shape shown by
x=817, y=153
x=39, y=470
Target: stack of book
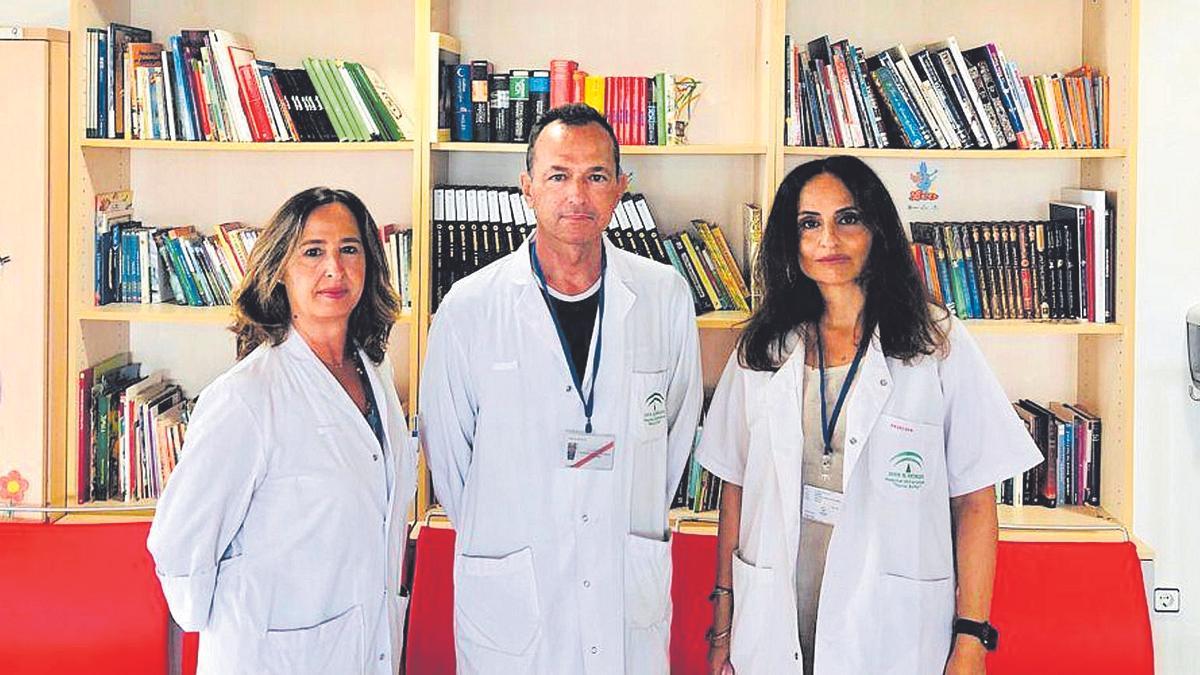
x=477, y=104
x=1069, y=437
x=397, y=250
x=699, y=490
x=1061, y=268
x=476, y=225
x=135, y=263
x=207, y=85
x=130, y=432
x=939, y=97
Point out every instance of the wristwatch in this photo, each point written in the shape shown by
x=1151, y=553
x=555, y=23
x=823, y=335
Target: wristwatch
x=983, y=630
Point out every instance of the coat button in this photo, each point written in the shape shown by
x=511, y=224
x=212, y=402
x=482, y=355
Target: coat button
x=587, y=584
x=595, y=649
x=584, y=517
x=381, y=657
x=853, y=441
x=375, y=458
x=883, y=383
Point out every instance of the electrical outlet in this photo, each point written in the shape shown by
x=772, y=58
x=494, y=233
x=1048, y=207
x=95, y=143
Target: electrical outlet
x=1166, y=600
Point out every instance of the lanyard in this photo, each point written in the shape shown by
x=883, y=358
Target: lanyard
x=828, y=424
x=590, y=400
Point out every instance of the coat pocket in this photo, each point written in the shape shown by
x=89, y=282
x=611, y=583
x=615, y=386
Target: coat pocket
x=496, y=604
x=753, y=614
x=334, y=645
x=915, y=621
x=647, y=604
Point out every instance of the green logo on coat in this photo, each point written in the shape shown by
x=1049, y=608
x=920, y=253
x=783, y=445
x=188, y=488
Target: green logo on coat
x=906, y=470
x=654, y=411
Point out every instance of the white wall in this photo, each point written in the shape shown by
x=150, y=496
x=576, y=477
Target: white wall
x=40, y=13
x=1167, y=423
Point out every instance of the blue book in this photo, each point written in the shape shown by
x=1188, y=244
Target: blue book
x=973, y=299
x=464, y=116
x=102, y=85
x=184, y=98
x=904, y=114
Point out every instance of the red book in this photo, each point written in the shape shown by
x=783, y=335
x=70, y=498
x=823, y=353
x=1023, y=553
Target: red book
x=201, y=100
x=83, y=466
x=578, y=78
x=1037, y=111
x=561, y=81
x=251, y=94
x=627, y=108
x=639, y=102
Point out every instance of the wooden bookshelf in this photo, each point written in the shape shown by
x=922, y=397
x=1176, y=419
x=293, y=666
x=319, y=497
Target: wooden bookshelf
x=191, y=146
x=903, y=153
x=180, y=314
x=736, y=156
x=210, y=182
x=625, y=150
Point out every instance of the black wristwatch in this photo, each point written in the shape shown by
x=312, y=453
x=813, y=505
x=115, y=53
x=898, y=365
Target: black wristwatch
x=983, y=630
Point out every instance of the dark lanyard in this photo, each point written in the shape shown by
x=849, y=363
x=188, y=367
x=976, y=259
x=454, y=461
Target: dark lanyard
x=589, y=401
x=828, y=424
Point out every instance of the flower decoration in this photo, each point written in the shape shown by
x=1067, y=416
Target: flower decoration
x=13, y=487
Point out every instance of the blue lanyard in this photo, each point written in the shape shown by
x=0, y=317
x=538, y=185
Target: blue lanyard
x=827, y=423
x=590, y=401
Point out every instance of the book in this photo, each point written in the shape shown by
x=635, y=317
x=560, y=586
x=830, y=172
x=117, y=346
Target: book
x=481, y=72
x=445, y=53
x=519, y=102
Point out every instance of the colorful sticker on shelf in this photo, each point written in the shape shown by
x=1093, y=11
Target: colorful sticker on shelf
x=923, y=196
x=13, y=487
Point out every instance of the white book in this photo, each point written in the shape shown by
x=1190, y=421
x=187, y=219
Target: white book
x=964, y=73
x=1096, y=201
x=356, y=100
x=909, y=76
x=439, y=204
x=220, y=42
x=493, y=206
x=279, y=128
x=168, y=88
x=517, y=201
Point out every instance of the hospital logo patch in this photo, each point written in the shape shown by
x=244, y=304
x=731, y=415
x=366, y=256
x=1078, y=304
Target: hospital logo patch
x=654, y=410
x=906, y=470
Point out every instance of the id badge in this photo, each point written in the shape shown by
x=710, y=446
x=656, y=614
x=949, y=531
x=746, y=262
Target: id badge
x=592, y=452
x=821, y=505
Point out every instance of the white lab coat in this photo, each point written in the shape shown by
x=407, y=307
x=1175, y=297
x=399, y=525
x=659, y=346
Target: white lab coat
x=560, y=570
x=280, y=536
x=888, y=593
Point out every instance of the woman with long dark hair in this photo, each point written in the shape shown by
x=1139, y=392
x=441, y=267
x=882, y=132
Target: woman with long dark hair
x=280, y=536
x=859, y=433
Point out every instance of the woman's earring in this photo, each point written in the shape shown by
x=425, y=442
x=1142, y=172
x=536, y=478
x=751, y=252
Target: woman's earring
x=790, y=274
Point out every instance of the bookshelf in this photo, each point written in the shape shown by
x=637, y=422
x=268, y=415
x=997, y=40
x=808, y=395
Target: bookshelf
x=202, y=183
x=736, y=155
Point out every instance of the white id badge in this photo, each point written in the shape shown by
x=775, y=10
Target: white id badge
x=593, y=452
x=821, y=505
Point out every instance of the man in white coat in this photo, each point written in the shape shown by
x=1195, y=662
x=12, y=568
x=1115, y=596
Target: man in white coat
x=560, y=399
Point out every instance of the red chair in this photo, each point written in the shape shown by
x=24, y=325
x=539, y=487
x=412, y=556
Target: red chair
x=1070, y=608
x=429, y=646
x=80, y=598
x=694, y=572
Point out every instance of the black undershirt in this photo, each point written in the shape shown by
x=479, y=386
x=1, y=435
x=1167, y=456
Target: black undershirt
x=578, y=318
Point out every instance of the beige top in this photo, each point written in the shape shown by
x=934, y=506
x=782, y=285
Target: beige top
x=814, y=536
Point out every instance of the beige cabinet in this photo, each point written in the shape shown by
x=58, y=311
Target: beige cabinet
x=33, y=275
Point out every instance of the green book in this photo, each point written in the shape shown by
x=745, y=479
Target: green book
x=318, y=76
x=337, y=86
x=660, y=105
x=383, y=119
x=358, y=104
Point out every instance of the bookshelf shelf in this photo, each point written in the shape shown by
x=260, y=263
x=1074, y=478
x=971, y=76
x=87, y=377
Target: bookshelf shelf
x=902, y=153
x=625, y=150
x=123, y=144
x=220, y=315
x=1014, y=327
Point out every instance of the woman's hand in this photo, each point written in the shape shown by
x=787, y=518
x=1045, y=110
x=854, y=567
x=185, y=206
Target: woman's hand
x=718, y=660
x=967, y=657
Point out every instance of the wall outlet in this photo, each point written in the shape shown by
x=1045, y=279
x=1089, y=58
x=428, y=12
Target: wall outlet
x=1166, y=600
